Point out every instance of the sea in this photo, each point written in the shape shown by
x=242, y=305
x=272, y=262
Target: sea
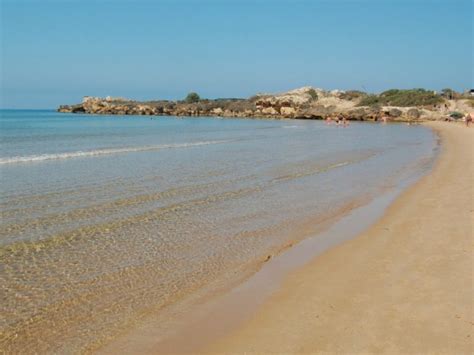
x=106, y=220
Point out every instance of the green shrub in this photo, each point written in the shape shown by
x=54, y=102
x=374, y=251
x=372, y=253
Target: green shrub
x=370, y=100
x=403, y=98
x=192, y=97
x=456, y=115
x=313, y=94
x=414, y=97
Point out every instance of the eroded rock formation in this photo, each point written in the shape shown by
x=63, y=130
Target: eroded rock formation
x=302, y=103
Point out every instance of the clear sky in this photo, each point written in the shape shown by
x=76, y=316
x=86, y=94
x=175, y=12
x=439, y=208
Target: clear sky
x=55, y=52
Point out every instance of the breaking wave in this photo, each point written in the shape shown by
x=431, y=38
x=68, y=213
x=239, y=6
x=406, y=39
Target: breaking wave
x=93, y=153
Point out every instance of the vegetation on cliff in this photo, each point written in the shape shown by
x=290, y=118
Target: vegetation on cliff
x=403, y=98
x=192, y=97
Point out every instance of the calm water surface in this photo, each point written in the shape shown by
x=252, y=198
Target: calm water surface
x=107, y=218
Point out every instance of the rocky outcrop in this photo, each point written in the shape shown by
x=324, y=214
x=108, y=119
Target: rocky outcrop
x=413, y=113
x=395, y=112
x=302, y=103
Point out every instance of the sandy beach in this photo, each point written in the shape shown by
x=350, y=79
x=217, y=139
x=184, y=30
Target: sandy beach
x=236, y=177
x=404, y=286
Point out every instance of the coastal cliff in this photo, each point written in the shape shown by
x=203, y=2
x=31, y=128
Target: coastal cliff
x=302, y=103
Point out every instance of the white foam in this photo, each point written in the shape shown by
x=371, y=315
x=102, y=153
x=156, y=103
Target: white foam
x=93, y=153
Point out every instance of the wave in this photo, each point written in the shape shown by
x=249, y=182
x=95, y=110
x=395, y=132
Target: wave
x=93, y=153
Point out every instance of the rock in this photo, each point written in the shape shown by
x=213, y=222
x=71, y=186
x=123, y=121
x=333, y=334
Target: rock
x=87, y=99
x=360, y=114
x=294, y=98
x=65, y=108
x=217, y=111
x=116, y=99
x=413, y=113
x=287, y=111
x=317, y=112
x=77, y=109
x=270, y=111
x=306, y=102
x=394, y=112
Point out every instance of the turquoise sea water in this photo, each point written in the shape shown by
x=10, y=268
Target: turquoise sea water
x=108, y=218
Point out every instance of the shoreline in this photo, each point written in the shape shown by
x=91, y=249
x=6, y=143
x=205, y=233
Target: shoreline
x=225, y=311
x=225, y=306
x=412, y=297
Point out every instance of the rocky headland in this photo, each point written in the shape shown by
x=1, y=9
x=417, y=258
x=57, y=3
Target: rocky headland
x=302, y=103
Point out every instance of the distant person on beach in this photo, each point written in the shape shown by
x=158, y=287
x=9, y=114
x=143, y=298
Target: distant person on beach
x=468, y=118
x=329, y=119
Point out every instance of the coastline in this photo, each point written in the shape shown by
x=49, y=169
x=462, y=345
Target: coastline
x=223, y=307
x=302, y=103
x=224, y=312
x=403, y=286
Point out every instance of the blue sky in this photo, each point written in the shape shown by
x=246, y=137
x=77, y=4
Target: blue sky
x=55, y=52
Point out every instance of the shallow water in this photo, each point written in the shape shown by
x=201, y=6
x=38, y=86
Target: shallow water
x=108, y=218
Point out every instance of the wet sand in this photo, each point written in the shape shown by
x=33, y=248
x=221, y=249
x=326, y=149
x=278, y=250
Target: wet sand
x=403, y=286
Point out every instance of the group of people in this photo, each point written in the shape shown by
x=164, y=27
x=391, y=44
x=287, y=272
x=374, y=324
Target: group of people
x=342, y=120
x=339, y=120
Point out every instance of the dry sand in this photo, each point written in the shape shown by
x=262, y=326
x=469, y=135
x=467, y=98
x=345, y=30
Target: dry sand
x=403, y=287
